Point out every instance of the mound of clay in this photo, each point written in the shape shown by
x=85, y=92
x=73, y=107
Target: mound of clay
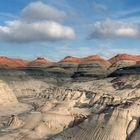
x=130, y=70
x=39, y=62
x=123, y=60
x=64, y=68
x=6, y=62
x=71, y=59
x=122, y=63
x=92, y=58
x=124, y=57
x=84, y=59
x=92, y=66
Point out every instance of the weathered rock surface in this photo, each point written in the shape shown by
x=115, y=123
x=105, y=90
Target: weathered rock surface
x=94, y=68
x=122, y=64
x=130, y=70
x=35, y=106
x=6, y=62
x=39, y=62
x=114, y=115
x=8, y=101
x=119, y=57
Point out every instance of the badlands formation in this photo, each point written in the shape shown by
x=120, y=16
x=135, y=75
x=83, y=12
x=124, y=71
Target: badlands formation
x=74, y=99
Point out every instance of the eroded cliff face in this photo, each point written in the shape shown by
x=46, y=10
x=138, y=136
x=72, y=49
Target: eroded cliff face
x=35, y=106
x=92, y=69
x=8, y=101
x=114, y=112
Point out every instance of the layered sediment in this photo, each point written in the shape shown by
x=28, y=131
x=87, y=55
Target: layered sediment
x=54, y=103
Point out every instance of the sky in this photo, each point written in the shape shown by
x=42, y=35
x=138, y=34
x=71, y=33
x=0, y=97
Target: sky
x=57, y=28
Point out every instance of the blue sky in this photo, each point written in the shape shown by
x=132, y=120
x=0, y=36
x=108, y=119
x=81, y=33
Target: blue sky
x=57, y=28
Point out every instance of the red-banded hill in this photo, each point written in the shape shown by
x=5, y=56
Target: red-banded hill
x=12, y=62
x=84, y=59
x=124, y=57
x=40, y=61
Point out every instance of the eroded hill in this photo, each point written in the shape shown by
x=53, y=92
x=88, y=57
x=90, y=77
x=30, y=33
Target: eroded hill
x=54, y=103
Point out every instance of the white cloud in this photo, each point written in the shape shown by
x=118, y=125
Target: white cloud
x=38, y=23
x=17, y=31
x=40, y=11
x=115, y=29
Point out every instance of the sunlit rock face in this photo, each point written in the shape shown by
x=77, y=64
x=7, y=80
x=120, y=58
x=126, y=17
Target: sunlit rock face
x=7, y=97
x=8, y=101
x=114, y=113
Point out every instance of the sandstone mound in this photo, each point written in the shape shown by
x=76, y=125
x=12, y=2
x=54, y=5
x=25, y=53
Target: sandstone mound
x=129, y=70
x=84, y=59
x=92, y=58
x=92, y=66
x=6, y=62
x=123, y=60
x=124, y=57
x=39, y=62
x=71, y=59
x=122, y=63
x=64, y=68
x=8, y=101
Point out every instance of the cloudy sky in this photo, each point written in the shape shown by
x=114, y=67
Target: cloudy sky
x=57, y=28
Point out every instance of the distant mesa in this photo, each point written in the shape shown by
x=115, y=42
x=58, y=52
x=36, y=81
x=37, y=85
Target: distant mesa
x=81, y=60
x=96, y=58
x=119, y=57
x=92, y=57
x=12, y=62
